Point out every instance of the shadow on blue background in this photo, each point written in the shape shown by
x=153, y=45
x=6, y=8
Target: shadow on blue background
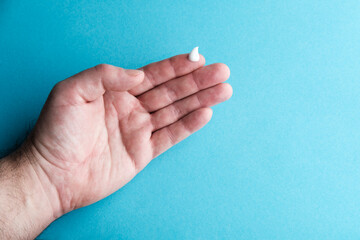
x=280, y=160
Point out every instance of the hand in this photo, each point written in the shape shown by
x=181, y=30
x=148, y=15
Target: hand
x=99, y=128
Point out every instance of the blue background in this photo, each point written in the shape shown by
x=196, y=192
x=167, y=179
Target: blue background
x=279, y=160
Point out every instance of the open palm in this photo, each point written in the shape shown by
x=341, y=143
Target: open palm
x=99, y=128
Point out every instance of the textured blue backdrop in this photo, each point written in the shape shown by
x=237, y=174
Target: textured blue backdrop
x=280, y=160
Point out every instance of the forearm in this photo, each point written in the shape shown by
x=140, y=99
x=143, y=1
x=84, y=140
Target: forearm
x=25, y=207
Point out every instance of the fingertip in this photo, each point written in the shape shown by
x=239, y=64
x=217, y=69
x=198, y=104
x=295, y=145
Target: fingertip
x=137, y=76
x=141, y=76
x=223, y=70
x=202, y=60
x=227, y=90
x=134, y=72
x=205, y=114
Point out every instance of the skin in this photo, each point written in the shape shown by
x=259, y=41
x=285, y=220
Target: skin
x=97, y=130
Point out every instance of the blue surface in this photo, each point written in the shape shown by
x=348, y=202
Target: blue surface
x=280, y=160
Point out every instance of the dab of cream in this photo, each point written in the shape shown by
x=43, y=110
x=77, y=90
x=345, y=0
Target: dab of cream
x=194, y=55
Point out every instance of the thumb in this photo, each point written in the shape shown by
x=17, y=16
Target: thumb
x=92, y=83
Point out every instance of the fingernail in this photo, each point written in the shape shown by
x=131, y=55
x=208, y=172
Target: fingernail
x=194, y=55
x=132, y=72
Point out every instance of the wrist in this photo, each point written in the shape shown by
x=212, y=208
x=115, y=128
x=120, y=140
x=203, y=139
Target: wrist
x=28, y=199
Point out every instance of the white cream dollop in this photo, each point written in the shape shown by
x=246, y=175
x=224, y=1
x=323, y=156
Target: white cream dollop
x=194, y=55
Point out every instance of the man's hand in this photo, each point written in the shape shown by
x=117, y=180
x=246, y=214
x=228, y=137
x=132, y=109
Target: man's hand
x=99, y=128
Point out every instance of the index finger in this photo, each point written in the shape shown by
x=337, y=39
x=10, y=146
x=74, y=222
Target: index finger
x=165, y=70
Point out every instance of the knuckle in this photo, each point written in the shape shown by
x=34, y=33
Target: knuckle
x=57, y=87
x=103, y=68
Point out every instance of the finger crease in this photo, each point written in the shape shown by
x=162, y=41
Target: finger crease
x=171, y=93
x=171, y=136
x=150, y=78
x=198, y=100
x=193, y=77
x=172, y=65
x=185, y=126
